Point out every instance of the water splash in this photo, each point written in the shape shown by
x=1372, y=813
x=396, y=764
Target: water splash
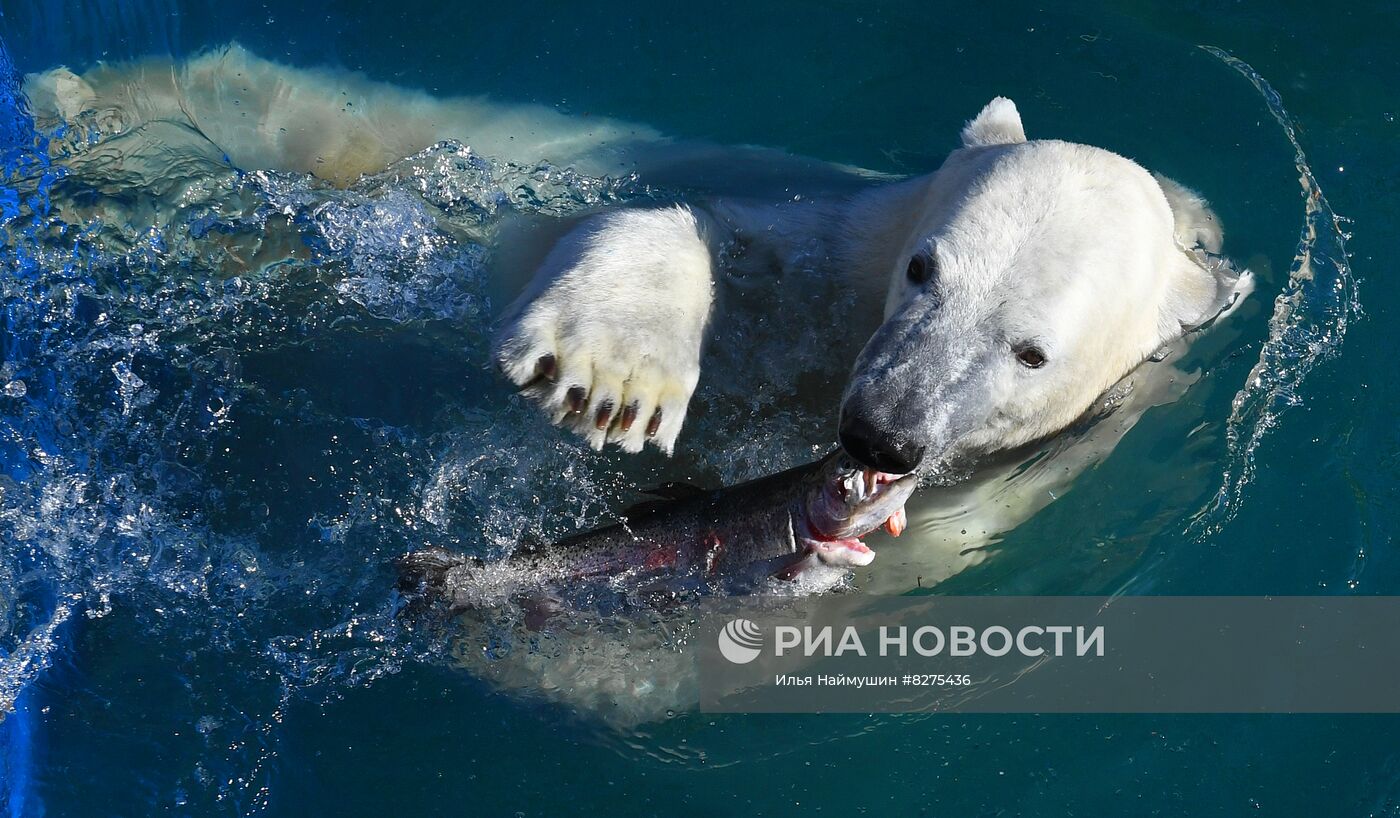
x=201, y=430
x=228, y=400
x=1308, y=324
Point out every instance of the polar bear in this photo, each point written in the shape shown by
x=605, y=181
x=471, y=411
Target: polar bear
x=1019, y=280
x=1004, y=294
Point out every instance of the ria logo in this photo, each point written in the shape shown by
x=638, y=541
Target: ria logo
x=741, y=641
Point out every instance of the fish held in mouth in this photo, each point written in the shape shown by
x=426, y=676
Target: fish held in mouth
x=801, y=526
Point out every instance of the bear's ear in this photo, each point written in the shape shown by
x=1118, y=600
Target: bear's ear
x=998, y=124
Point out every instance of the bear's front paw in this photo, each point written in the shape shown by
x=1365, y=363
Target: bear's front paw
x=607, y=339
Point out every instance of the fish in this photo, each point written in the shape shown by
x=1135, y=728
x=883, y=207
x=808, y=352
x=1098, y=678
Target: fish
x=801, y=526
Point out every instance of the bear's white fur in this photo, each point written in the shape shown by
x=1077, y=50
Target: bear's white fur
x=1069, y=247
x=1072, y=248
x=645, y=283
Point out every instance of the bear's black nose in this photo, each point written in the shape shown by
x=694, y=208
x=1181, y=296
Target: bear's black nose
x=876, y=448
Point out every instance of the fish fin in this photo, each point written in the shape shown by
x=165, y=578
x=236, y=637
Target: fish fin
x=662, y=497
x=539, y=608
x=426, y=570
x=714, y=552
x=426, y=579
x=676, y=490
x=645, y=507
x=790, y=572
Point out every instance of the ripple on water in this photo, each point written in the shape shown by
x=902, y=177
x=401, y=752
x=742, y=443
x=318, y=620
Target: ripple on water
x=1309, y=321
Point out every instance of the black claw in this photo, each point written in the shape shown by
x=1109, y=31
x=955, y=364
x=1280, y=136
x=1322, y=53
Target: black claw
x=629, y=416
x=547, y=367
x=576, y=398
x=604, y=415
x=654, y=424
x=546, y=370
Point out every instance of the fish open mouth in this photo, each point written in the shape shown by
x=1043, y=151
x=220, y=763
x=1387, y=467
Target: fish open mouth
x=854, y=502
x=847, y=551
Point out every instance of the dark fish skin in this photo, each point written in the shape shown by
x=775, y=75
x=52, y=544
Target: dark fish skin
x=729, y=540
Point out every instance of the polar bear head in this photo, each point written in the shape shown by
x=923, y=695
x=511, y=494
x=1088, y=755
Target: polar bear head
x=1027, y=277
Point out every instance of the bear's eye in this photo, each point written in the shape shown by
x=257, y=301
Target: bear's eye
x=1030, y=356
x=920, y=269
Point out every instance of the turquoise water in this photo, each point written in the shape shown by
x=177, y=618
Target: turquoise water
x=205, y=477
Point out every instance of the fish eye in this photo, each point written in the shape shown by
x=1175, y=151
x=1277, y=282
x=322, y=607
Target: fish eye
x=1030, y=356
x=921, y=268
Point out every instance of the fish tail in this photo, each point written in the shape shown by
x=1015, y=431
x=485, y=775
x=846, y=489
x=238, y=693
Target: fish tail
x=424, y=573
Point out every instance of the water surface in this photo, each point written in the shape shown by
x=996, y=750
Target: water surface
x=210, y=458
